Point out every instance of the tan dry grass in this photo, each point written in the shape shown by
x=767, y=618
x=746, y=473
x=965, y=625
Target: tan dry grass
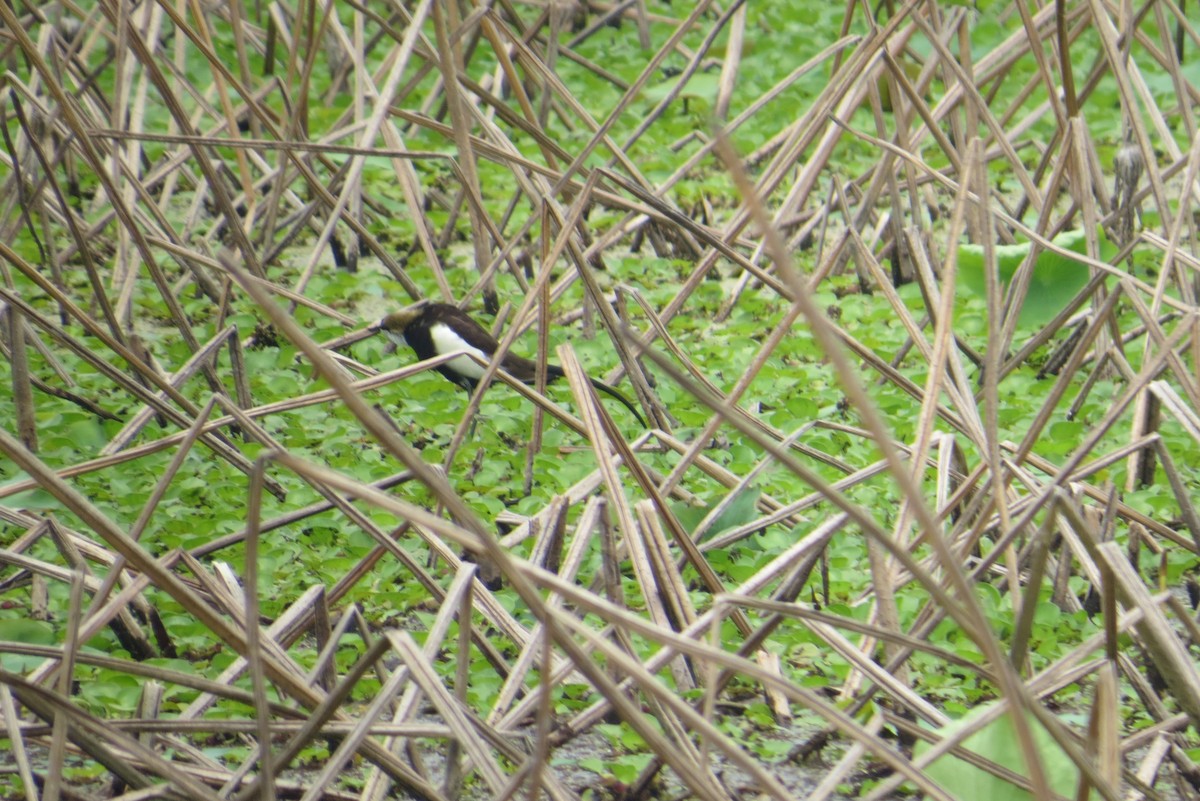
x=263, y=190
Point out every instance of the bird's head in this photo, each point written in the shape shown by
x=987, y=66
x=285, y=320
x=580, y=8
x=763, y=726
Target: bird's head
x=395, y=324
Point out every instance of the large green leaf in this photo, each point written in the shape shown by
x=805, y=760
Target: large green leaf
x=740, y=511
x=1056, y=279
x=701, y=86
x=998, y=742
x=27, y=631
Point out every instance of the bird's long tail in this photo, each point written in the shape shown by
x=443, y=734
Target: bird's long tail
x=615, y=393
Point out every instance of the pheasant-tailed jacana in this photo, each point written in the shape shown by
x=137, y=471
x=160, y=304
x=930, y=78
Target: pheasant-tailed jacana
x=432, y=329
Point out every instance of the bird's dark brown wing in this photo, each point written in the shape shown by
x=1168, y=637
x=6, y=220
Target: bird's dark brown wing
x=462, y=324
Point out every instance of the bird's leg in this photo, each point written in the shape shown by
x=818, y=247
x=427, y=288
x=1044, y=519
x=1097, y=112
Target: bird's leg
x=475, y=419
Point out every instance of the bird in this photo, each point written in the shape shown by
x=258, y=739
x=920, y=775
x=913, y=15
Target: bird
x=432, y=329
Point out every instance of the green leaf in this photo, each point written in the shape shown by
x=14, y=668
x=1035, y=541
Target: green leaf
x=1056, y=279
x=998, y=742
x=627, y=768
x=111, y=693
x=702, y=86
x=595, y=765
x=742, y=510
x=29, y=632
x=37, y=499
